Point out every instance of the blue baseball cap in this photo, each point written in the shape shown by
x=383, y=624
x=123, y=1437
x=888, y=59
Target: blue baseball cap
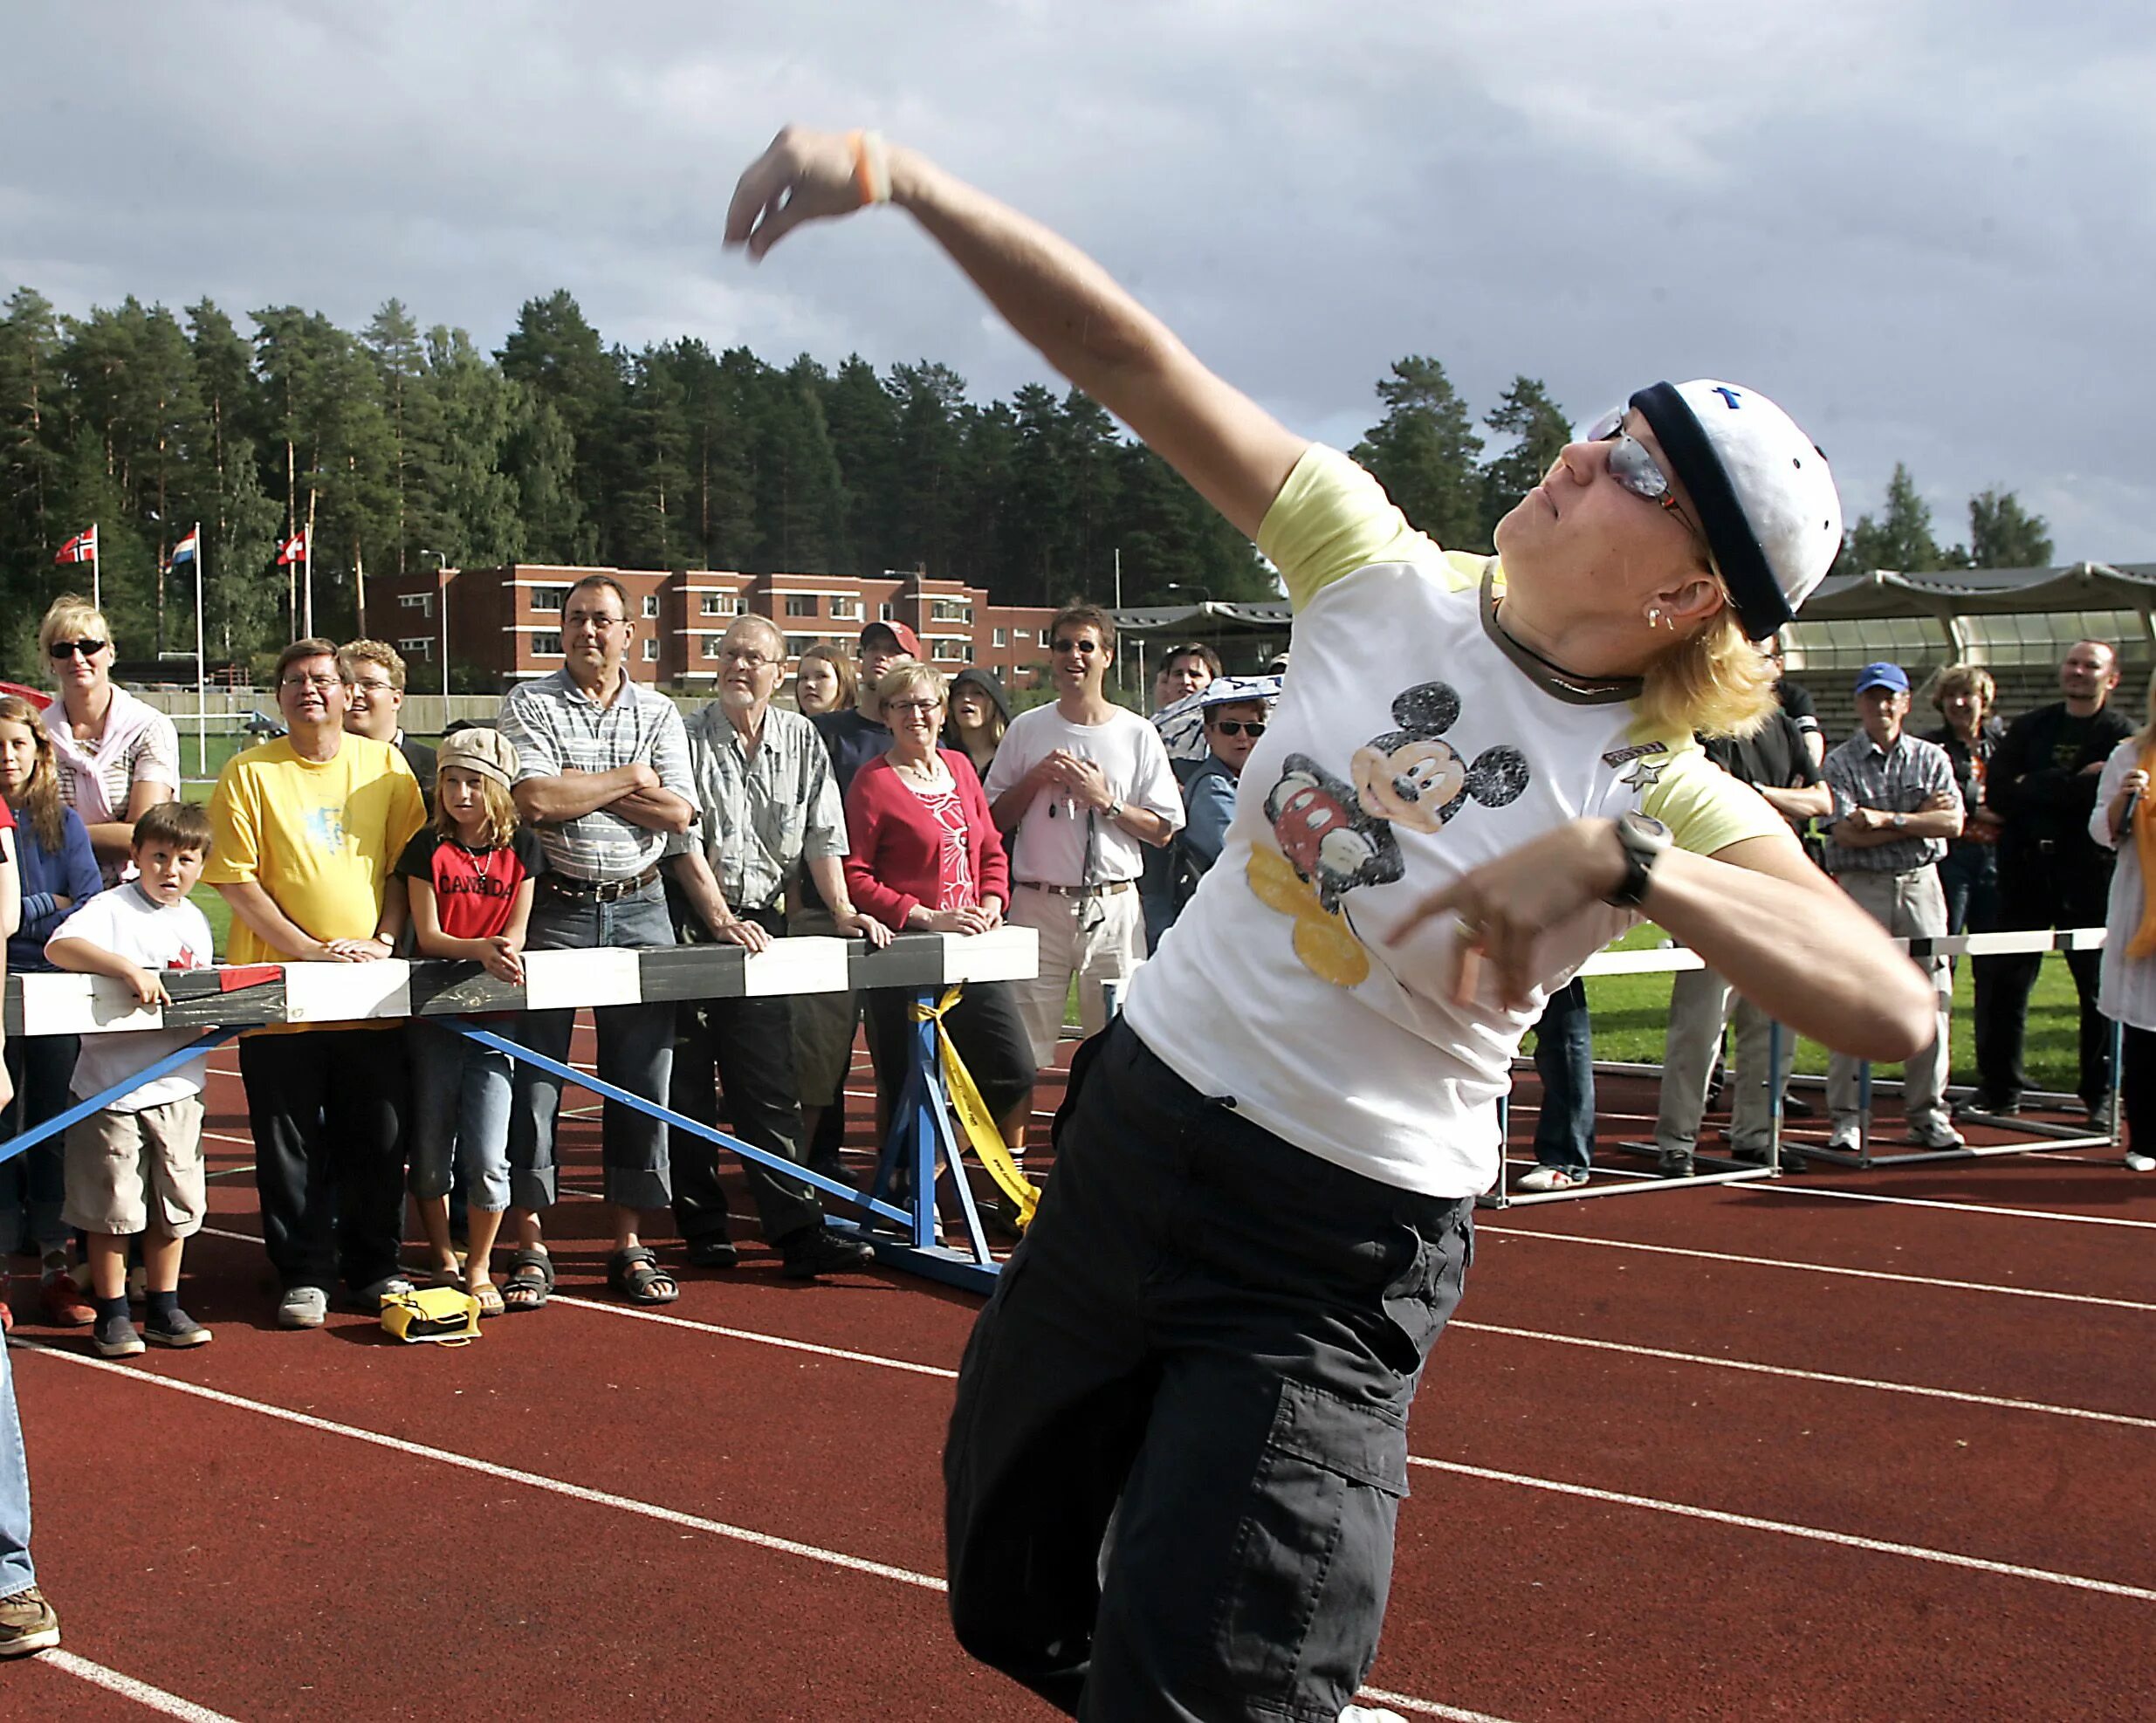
x=1883, y=675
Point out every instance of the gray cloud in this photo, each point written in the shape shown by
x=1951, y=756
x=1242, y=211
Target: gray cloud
x=1924, y=227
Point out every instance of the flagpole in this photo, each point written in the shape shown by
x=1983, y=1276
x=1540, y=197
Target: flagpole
x=97, y=586
x=201, y=682
x=306, y=551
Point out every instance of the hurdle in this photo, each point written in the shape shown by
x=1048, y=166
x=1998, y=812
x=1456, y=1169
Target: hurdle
x=224, y=1000
x=2035, y=1135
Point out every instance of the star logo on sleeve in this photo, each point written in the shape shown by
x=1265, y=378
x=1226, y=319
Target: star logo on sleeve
x=1645, y=775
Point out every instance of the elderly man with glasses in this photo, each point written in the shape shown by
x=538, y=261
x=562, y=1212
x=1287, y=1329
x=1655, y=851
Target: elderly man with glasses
x=770, y=813
x=603, y=777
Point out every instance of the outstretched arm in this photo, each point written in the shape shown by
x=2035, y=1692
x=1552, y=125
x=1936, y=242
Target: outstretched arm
x=1236, y=454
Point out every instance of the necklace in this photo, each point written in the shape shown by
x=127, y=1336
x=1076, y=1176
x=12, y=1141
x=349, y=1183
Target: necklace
x=481, y=860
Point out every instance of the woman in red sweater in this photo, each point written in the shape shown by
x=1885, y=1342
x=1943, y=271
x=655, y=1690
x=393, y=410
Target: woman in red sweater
x=924, y=857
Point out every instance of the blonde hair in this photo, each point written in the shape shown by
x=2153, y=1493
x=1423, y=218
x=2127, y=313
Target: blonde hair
x=40, y=797
x=1715, y=681
x=353, y=653
x=910, y=672
x=1963, y=679
x=71, y=617
x=500, y=823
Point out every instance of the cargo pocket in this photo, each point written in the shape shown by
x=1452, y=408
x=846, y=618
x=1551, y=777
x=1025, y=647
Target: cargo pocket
x=1313, y=1557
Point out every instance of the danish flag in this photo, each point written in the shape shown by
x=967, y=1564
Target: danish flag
x=294, y=549
x=81, y=548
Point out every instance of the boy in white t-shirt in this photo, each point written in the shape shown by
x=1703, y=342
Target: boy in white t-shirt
x=136, y=1166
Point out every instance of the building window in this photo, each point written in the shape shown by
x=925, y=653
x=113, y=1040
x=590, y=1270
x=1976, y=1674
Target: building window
x=549, y=598
x=717, y=604
x=797, y=644
x=951, y=651
x=950, y=610
x=546, y=645
x=887, y=613
x=1021, y=636
x=651, y=652
x=711, y=646
x=417, y=645
x=1002, y=637
x=423, y=602
x=846, y=609
x=651, y=606
x=800, y=604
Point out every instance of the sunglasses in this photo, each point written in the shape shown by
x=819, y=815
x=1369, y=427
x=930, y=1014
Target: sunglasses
x=1633, y=467
x=1088, y=646
x=69, y=649
x=1253, y=728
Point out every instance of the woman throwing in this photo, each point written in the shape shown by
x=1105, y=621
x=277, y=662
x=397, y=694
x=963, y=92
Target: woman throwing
x=1181, y=1429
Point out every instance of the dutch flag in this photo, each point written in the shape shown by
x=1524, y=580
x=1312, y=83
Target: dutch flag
x=184, y=551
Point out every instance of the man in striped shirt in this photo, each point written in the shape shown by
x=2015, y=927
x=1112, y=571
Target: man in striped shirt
x=1896, y=806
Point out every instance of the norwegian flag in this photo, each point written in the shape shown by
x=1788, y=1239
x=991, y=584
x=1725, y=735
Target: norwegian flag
x=81, y=548
x=294, y=549
x=186, y=550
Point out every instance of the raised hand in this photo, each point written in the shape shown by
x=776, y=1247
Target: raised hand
x=803, y=176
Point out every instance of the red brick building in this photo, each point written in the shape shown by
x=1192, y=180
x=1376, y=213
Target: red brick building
x=505, y=622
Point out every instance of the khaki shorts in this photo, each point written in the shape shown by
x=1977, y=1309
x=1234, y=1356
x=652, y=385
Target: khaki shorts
x=1110, y=950
x=115, y=1160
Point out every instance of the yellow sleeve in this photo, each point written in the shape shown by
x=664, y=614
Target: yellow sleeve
x=1705, y=808
x=234, y=827
x=1331, y=517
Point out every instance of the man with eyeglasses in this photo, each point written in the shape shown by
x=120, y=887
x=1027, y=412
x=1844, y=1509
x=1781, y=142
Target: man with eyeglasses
x=771, y=813
x=1085, y=787
x=307, y=829
x=376, y=670
x=603, y=778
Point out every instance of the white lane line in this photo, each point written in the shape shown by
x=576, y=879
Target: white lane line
x=1827, y=1377
x=228, y=1172
x=755, y=1339
x=1816, y=1268
x=507, y=1473
x=534, y=1480
x=1782, y=1187
x=1428, y=1707
x=227, y=1137
x=1811, y=1533
x=152, y=1699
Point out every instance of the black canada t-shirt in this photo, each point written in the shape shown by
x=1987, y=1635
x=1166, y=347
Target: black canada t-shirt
x=474, y=890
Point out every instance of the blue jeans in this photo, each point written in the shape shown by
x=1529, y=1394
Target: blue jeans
x=1564, y=1059
x=635, y=1052
x=460, y=1113
x=15, y=1572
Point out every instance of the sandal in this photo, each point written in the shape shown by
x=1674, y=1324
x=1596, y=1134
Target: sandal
x=488, y=1296
x=531, y=1280
x=636, y=1275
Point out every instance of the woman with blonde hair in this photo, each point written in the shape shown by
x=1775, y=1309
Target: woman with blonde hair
x=118, y=756
x=2125, y=820
x=1481, y=770
x=58, y=872
x=1965, y=696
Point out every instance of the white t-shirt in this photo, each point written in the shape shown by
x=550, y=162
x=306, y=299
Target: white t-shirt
x=1050, y=848
x=1411, y=744
x=156, y=935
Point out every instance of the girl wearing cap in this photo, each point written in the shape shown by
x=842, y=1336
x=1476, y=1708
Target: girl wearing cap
x=1265, y=1169
x=471, y=879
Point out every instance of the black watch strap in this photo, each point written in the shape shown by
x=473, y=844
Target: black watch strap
x=1642, y=839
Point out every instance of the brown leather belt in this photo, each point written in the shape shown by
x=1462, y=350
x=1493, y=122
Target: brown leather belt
x=1105, y=888
x=597, y=891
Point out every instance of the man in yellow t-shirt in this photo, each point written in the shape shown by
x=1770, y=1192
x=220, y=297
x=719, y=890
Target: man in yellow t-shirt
x=307, y=830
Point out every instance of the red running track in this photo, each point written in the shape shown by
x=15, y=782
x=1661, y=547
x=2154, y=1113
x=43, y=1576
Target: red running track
x=1741, y=1452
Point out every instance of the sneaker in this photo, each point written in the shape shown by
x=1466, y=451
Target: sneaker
x=1979, y=1105
x=303, y=1307
x=369, y=1297
x=115, y=1337
x=2137, y=1161
x=1845, y=1139
x=1548, y=1178
x=820, y=1250
x=180, y=1329
x=1936, y=1134
x=63, y=1303
x=1673, y=1163
x=27, y=1624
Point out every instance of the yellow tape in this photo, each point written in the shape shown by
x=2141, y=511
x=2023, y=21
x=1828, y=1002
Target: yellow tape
x=980, y=1127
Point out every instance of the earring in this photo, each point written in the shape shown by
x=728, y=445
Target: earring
x=1657, y=619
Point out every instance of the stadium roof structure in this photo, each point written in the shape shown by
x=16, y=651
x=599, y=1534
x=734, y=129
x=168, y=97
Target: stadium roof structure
x=1209, y=619
x=1986, y=592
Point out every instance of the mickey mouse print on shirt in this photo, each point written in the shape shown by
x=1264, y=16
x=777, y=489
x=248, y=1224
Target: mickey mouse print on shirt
x=1337, y=836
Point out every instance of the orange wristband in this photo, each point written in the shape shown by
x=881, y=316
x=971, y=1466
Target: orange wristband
x=872, y=171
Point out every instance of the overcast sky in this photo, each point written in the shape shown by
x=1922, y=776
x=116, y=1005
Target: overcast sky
x=1925, y=228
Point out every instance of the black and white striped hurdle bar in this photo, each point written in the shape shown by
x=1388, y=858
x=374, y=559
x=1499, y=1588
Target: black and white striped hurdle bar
x=255, y=995
x=1670, y=959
